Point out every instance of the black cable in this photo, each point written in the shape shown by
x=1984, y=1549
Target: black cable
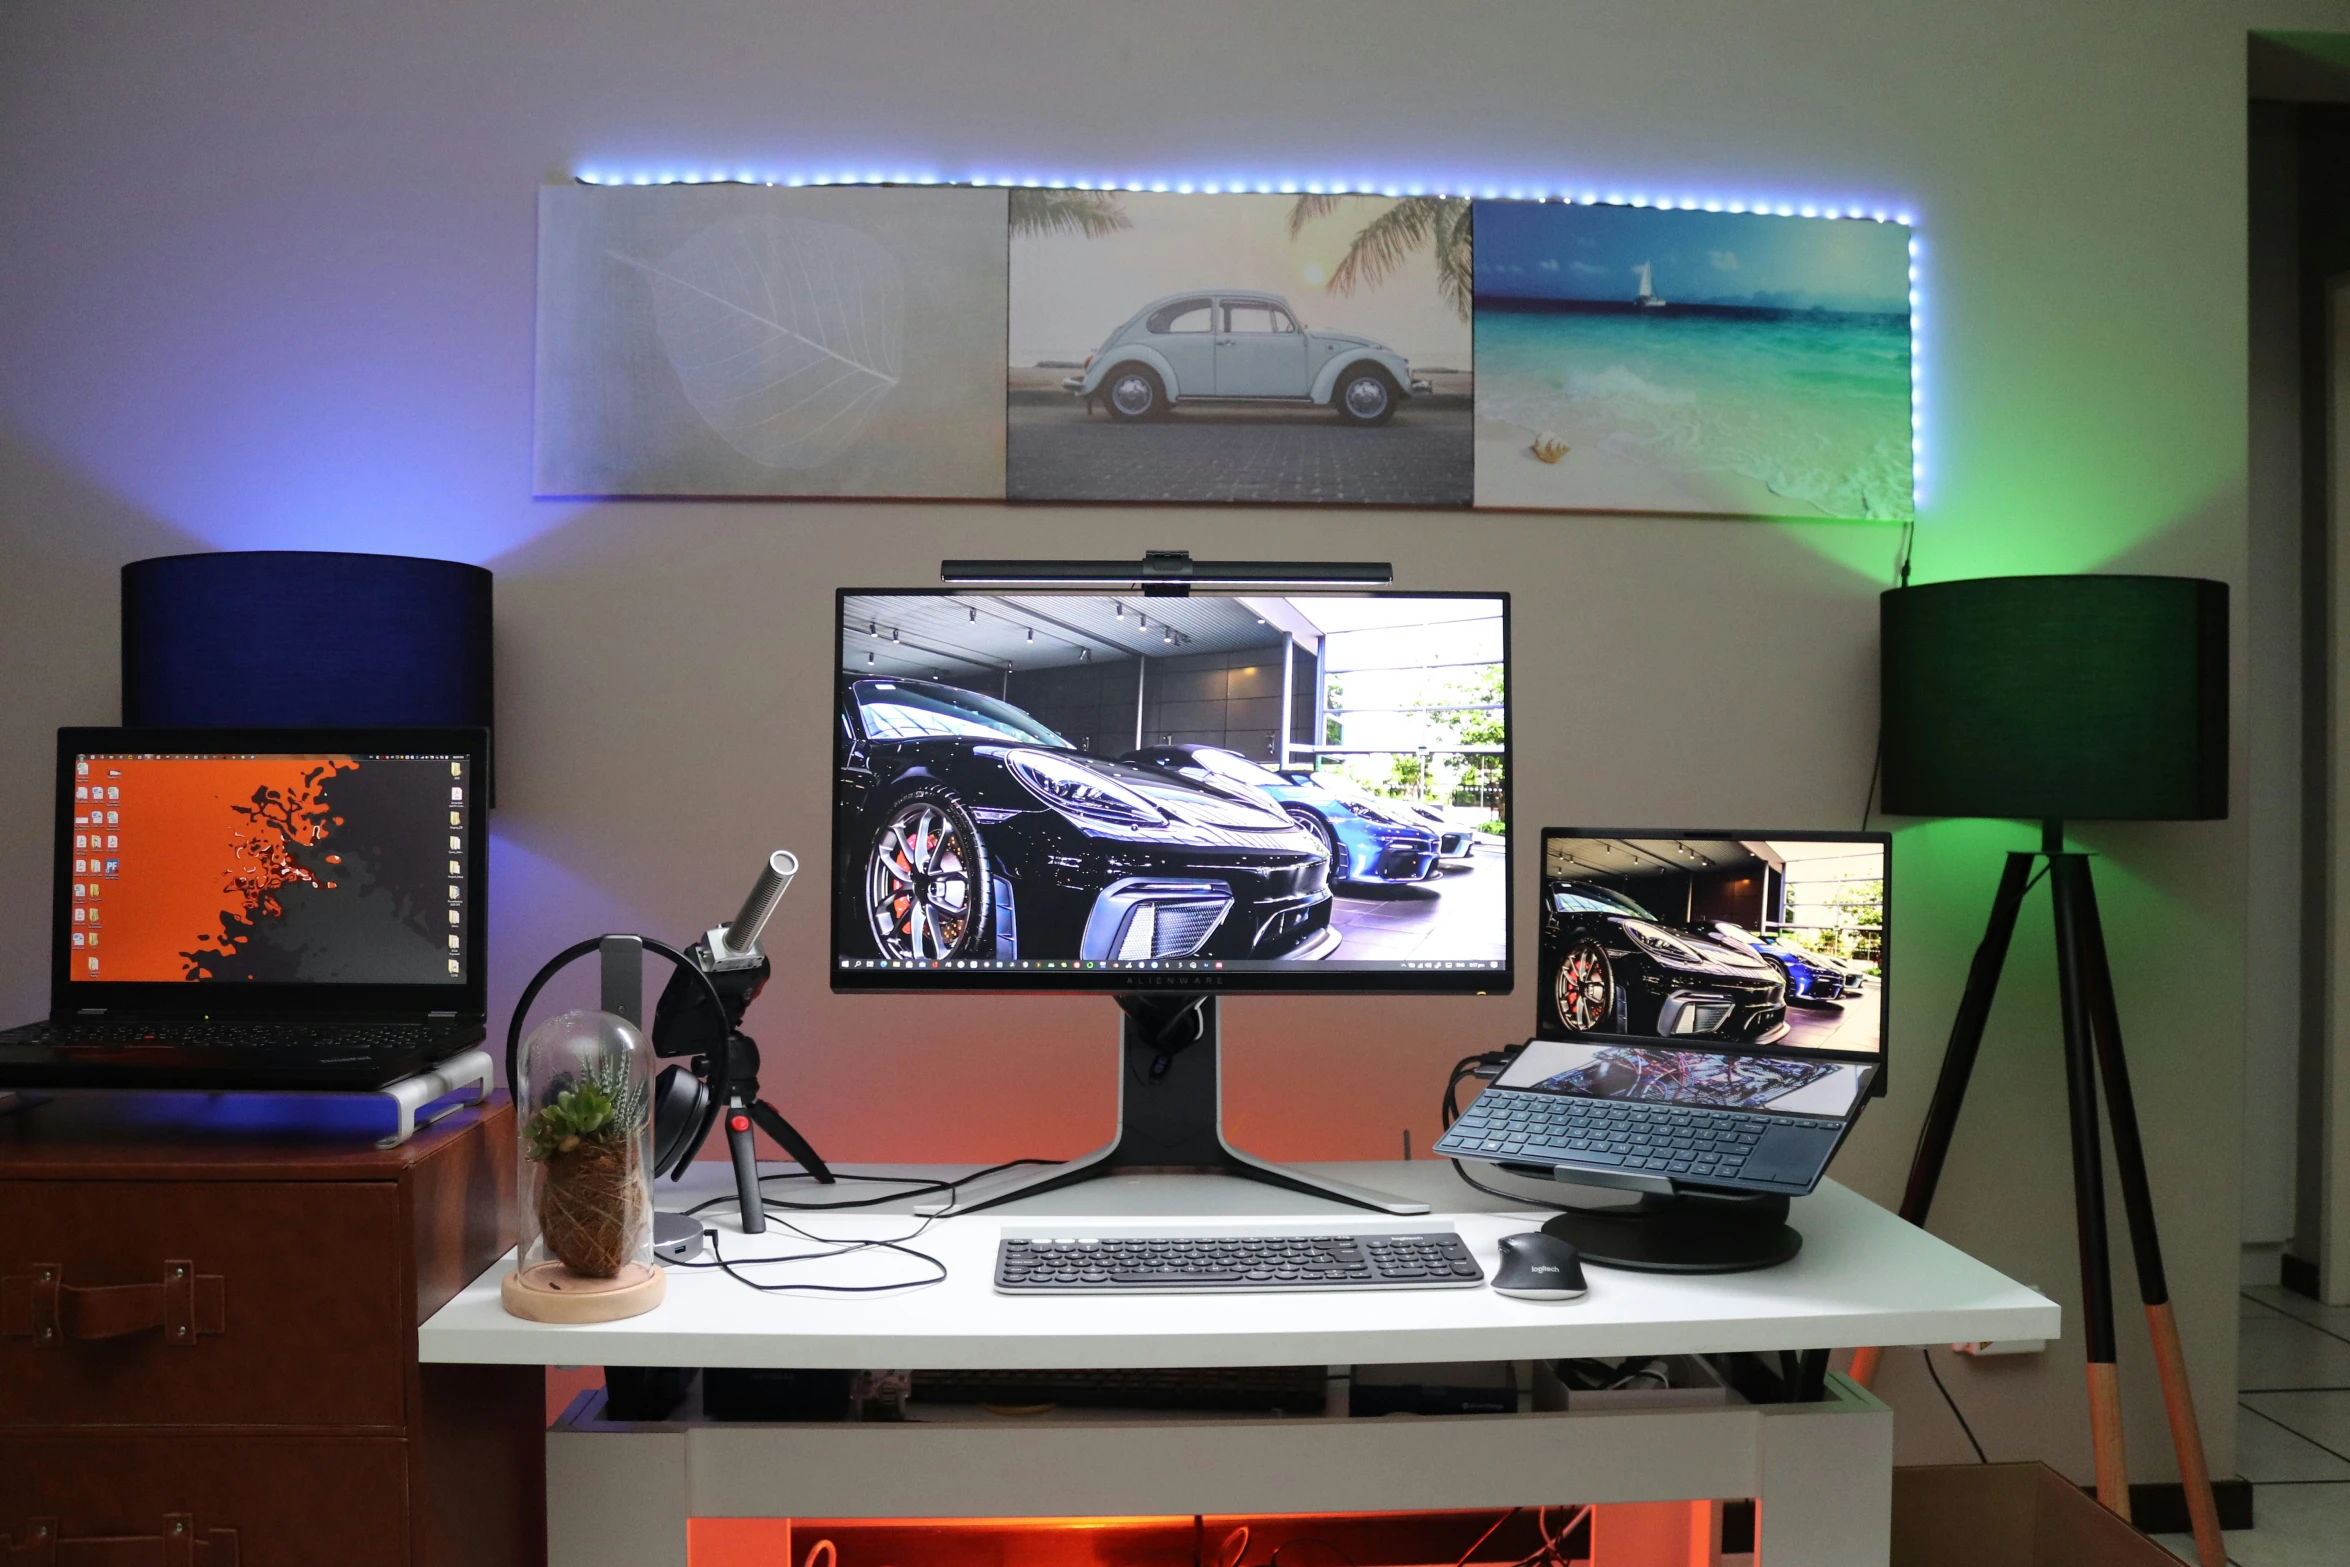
x=923, y=1185
x=721, y=1262
x=1927, y=1352
x=1519, y=1198
x=1489, y=1534
x=842, y=1247
x=1868, y=803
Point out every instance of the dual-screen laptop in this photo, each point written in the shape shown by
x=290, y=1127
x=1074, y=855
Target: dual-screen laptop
x=280, y=908
x=1711, y=1014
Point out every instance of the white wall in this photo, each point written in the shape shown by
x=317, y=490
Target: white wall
x=265, y=279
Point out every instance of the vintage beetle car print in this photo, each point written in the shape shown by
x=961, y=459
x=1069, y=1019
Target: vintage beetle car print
x=1235, y=345
x=969, y=831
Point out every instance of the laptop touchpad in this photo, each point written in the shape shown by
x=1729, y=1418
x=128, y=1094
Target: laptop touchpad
x=1790, y=1154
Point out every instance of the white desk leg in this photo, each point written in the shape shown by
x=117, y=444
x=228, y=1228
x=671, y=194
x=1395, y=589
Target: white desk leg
x=1827, y=1482
x=616, y=1499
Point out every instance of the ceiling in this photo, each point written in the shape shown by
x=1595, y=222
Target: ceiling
x=925, y=634
x=1639, y=857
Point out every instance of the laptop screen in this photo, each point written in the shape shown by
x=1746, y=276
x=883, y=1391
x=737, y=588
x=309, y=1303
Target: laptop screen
x=271, y=868
x=1705, y=1079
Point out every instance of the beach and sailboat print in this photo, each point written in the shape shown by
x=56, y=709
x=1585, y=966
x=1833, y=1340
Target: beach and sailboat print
x=1639, y=359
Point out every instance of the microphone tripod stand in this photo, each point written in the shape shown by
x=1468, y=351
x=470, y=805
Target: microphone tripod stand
x=2092, y=1046
x=727, y=1059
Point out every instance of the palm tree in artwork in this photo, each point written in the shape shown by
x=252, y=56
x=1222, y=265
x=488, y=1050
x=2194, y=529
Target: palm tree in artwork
x=1091, y=213
x=1409, y=224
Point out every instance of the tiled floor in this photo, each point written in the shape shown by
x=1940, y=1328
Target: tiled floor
x=2292, y=1433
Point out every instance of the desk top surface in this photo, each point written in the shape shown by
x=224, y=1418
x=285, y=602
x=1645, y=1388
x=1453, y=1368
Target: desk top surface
x=1863, y=1277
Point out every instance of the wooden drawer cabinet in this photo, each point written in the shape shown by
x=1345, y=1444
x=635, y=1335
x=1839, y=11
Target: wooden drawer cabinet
x=281, y=1501
x=208, y=1347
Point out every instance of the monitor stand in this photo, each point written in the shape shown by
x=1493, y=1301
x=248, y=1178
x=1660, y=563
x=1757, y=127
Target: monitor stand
x=1685, y=1232
x=1170, y=1117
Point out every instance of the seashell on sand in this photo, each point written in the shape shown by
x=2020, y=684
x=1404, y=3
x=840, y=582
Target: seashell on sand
x=1549, y=447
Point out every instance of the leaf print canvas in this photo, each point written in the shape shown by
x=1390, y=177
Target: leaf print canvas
x=751, y=340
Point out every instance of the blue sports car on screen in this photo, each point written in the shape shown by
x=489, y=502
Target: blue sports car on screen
x=1367, y=839
x=1810, y=977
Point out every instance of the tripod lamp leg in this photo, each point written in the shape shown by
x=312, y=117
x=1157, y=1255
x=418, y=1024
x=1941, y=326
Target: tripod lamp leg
x=2178, y=1396
x=2178, y=1401
x=1958, y=1066
x=2074, y=980
x=2105, y=1433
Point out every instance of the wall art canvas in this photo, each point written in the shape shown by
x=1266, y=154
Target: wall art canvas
x=752, y=340
x=1638, y=359
x=1300, y=349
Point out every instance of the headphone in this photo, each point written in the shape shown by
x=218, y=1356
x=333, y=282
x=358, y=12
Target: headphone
x=684, y=1106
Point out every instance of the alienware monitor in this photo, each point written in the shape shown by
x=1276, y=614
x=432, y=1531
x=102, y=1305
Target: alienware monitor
x=1222, y=791
x=1718, y=940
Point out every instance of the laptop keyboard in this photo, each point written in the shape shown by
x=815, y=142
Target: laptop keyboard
x=379, y=1039
x=1506, y=1124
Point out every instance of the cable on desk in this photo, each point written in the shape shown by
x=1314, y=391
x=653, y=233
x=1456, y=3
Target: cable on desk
x=1927, y=1352
x=839, y=1247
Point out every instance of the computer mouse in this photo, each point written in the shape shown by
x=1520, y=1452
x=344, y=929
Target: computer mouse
x=1535, y=1266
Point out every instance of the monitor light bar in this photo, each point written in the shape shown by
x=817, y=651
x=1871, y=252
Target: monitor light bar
x=1172, y=571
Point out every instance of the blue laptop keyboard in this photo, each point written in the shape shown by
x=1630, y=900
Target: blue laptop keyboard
x=1509, y=1125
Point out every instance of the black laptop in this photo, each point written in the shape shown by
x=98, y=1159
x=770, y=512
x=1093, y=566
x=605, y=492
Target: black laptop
x=1623, y=1112
x=261, y=908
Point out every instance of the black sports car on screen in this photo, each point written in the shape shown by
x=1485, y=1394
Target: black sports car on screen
x=1611, y=967
x=967, y=831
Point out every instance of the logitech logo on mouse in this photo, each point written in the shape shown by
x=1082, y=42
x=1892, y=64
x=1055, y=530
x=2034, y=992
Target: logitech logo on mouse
x=1543, y=1267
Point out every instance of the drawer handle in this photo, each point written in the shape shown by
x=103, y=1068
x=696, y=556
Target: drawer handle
x=183, y=1305
x=178, y=1545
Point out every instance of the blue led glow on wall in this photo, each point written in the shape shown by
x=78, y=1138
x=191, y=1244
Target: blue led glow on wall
x=1584, y=195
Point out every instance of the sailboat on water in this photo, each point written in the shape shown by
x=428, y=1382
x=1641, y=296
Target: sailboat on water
x=1646, y=299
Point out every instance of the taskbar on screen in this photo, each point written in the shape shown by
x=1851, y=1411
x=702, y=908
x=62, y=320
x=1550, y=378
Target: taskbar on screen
x=1178, y=965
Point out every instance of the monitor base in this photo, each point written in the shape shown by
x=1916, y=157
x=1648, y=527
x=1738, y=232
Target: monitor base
x=1170, y=1118
x=1684, y=1233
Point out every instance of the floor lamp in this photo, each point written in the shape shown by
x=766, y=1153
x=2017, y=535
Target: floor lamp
x=2056, y=699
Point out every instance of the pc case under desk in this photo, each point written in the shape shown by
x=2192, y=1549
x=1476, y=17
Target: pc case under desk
x=1822, y=1472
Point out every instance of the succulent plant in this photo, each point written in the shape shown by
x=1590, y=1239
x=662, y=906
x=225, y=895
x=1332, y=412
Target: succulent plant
x=602, y=1103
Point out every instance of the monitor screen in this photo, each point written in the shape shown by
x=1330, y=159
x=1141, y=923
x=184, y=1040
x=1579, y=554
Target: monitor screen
x=258, y=869
x=1097, y=791
x=1768, y=940
x=1647, y=1074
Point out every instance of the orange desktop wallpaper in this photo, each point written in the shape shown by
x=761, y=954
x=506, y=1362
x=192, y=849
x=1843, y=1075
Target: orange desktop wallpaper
x=199, y=847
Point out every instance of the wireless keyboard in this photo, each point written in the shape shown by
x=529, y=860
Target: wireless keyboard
x=1075, y=1261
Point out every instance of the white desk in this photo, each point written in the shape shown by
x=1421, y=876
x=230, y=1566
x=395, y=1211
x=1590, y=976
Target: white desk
x=1821, y=1471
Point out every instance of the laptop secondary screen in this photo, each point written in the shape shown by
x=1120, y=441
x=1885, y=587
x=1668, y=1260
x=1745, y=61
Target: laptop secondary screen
x=228, y=869
x=1711, y=1080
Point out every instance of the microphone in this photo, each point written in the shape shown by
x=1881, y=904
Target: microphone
x=738, y=940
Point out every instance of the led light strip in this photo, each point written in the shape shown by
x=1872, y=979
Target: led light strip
x=1589, y=196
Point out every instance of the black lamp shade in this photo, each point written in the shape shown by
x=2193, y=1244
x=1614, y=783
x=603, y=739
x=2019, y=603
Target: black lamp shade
x=305, y=638
x=2057, y=698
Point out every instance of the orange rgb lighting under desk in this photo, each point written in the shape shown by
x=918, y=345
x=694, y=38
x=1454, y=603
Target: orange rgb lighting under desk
x=1629, y=1534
